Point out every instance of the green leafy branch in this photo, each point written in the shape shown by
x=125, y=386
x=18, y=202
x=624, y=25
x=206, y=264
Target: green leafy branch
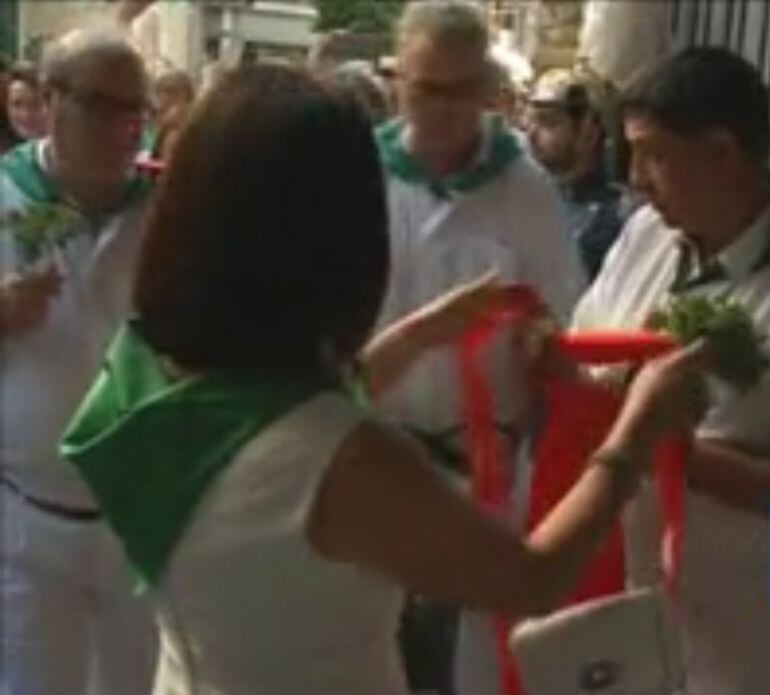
x=39, y=228
x=736, y=344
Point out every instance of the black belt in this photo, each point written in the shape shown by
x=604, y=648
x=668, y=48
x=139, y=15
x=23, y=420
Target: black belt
x=54, y=508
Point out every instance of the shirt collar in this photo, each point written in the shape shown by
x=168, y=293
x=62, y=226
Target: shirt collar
x=749, y=251
x=742, y=256
x=481, y=154
x=498, y=148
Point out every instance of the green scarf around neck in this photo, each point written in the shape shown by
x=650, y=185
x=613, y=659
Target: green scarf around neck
x=22, y=165
x=502, y=148
x=150, y=447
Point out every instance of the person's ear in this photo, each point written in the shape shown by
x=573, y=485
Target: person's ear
x=722, y=145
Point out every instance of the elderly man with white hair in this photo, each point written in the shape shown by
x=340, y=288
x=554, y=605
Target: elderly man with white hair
x=464, y=196
x=70, y=206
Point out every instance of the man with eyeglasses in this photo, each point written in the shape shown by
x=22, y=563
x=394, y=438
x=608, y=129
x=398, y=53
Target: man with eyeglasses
x=70, y=207
x=464, y=197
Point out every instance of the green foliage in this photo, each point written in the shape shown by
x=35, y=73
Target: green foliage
x=40, y=228
x=365, y=16
x=735, y=342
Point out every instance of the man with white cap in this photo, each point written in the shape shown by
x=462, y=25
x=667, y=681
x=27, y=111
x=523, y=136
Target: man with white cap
x=567, y=136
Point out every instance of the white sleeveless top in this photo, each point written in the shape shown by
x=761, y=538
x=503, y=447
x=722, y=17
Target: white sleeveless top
x=247, y=606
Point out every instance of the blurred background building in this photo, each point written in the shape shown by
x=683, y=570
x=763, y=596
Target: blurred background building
x=180, y=33
x=613, y=37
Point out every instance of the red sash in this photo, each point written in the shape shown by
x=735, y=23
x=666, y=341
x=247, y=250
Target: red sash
x=578, y=415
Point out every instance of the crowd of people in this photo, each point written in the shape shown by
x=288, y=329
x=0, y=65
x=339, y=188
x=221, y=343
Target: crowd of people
x=234, y=384
x=24, y=108
x=562, y=117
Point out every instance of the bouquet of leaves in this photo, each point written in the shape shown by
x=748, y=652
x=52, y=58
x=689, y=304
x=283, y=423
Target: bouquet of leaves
x=39, y=228
x=736, y=344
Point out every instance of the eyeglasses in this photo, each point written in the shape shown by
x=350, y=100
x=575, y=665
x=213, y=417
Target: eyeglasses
x=102, y=107
x=460, y=90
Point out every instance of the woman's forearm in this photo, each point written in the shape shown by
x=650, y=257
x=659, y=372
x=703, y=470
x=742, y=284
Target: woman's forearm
x=560, y=547
x=442, y=321
x=390, y=354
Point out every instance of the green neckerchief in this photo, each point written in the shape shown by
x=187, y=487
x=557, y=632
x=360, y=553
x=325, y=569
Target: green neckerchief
x=47, y=220
x=502, y=148
x=22, y=166
x=149, y=447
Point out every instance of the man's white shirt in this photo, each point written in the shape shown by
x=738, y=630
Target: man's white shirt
x=724, y=601
x=45, y=373
x=512, y=224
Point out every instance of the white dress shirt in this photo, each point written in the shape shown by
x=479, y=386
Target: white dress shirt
x=724, y=597
x=45, y=373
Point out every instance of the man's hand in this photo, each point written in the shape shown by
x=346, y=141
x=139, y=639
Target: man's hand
x=25, y=298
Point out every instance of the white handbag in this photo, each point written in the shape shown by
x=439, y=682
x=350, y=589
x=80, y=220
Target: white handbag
x=625, y=644
x=619, y=645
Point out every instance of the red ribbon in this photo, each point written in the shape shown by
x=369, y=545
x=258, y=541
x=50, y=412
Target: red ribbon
x=578, y=416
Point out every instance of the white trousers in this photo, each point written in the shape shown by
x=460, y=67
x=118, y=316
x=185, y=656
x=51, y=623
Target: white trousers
x=71, y=623
x=477, y=667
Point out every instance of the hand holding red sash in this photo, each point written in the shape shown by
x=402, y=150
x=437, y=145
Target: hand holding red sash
x=578, y=414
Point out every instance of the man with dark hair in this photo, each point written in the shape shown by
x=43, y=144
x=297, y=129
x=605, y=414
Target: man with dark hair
x=699, y=133
x=567, y=137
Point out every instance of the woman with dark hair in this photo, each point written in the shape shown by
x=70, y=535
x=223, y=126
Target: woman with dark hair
x=277, y=519
x=27, y=112
x=8, y=137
